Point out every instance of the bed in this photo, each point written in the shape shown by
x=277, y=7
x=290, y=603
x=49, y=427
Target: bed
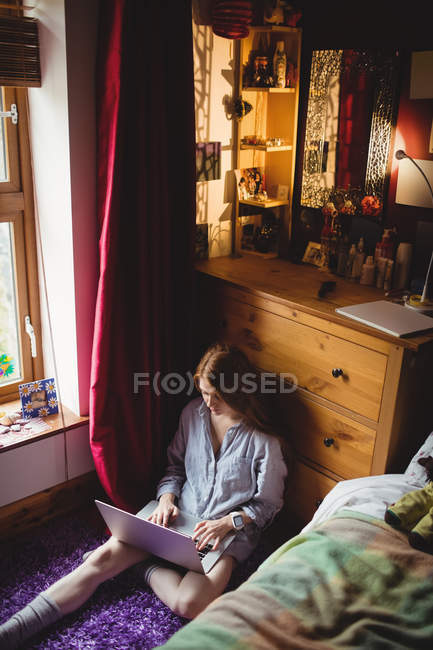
x=347, y=580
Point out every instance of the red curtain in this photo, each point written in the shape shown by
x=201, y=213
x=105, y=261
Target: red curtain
x=146, y=208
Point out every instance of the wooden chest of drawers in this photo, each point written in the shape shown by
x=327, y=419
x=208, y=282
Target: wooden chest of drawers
x=361, y=405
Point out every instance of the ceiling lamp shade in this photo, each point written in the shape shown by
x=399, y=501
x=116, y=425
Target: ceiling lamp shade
x=19, y=52
x=230, y=18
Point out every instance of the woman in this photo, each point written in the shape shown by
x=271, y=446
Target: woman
x=222, y=459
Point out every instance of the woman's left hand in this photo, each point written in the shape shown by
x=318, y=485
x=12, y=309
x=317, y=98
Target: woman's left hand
x=212, y=531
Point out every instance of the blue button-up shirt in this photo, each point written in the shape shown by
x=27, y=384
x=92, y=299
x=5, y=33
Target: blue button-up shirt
x=248, y=472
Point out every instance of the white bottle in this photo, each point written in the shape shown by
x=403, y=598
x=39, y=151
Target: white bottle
x=381, y=268
x=280, y=65
x=403, y=259
x=367, y=273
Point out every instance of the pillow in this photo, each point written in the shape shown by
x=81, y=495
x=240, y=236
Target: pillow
x=416, y=473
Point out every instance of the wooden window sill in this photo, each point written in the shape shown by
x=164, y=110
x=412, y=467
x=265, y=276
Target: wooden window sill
x=71, y=421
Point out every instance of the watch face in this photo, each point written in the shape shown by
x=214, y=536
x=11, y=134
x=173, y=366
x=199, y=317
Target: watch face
x=238, y=521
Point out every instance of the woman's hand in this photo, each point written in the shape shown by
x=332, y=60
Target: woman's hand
x=212, y=530
x=166, y=510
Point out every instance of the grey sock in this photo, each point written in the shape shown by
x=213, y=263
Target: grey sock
x=36, y=616
x=148, y=569
x=86, y=555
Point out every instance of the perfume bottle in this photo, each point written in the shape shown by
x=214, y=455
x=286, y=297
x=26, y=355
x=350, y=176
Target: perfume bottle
x=343, y=254
x=280, y=65
x=350, y=260
x=358, y=261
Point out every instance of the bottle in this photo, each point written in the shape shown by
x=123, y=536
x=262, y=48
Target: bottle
x=378, y=250
x=359, y=260
x=325, y=241
x=387, y=282
x=381, y=267
x=403, y=259
x=343, y=255
x=350, y=260
x=387, y=244
x=280, y=64
x=367, y=273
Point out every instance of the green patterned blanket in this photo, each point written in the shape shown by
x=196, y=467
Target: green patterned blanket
x=353, y=582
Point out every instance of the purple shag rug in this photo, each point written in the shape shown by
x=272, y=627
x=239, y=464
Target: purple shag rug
x=122, y=613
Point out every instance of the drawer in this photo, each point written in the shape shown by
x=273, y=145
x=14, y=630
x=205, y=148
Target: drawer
x=332, y=440
x=277, y=344
x=307, y=490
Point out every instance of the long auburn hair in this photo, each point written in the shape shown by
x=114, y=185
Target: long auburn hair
x=224, y=366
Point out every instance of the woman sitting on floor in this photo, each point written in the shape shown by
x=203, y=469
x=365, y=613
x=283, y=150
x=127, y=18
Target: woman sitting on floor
x=223, y=458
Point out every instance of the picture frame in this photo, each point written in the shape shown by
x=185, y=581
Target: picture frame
x=251, y=183
x=39, y=398
x=313, y=254
x=282, y=192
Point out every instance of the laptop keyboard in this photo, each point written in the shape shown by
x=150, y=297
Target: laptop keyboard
x=204, y=551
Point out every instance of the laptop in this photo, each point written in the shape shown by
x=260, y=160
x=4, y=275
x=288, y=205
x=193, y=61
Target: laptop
x=388, y=317
x=174, y=544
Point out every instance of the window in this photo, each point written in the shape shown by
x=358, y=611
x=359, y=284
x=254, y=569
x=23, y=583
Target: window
x=19, y=296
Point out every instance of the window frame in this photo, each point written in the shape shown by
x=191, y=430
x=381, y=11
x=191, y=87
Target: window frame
x=17, y=206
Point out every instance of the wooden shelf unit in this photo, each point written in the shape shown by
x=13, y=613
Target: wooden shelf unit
x=274, y=115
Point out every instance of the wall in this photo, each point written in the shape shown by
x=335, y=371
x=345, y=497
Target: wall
x=413, y=127
x=53, y=460
x=62, y=128
x=214, y=78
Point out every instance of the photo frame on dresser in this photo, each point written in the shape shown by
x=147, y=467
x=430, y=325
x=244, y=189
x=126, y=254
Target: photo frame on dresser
x=313, y=254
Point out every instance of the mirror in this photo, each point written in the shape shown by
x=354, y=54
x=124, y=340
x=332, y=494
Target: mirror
x=350, y=114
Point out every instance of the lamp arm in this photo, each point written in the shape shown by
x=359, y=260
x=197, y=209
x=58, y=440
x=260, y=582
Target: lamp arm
x=424, y=296
x=400, y=154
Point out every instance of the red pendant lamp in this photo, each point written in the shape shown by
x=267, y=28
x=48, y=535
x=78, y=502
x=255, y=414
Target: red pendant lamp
x=230, y=18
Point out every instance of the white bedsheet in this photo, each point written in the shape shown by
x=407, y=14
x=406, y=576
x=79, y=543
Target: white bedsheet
x=370, y=495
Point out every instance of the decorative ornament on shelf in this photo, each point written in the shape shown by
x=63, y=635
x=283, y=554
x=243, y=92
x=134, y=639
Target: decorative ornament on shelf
x=343, y=204
x=281, y=12
x=230, y=18
x=242, y=108
x=371, y=206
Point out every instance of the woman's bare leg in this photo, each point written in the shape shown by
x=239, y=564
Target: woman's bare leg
x=188, y=596
x=107, y=561
x=70, y=592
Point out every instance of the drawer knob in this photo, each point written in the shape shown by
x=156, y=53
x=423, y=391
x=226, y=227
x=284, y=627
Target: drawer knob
x=337, y=372
x=328, y=442
x=318, y=502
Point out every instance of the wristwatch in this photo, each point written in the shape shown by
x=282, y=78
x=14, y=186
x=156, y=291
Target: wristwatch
x=237, y=520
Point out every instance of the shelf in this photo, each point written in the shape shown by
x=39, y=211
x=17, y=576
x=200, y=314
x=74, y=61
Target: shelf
x=264, y=147
x=261, y=89
x=266, y=256
x=274, y=28
x=270, y=203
